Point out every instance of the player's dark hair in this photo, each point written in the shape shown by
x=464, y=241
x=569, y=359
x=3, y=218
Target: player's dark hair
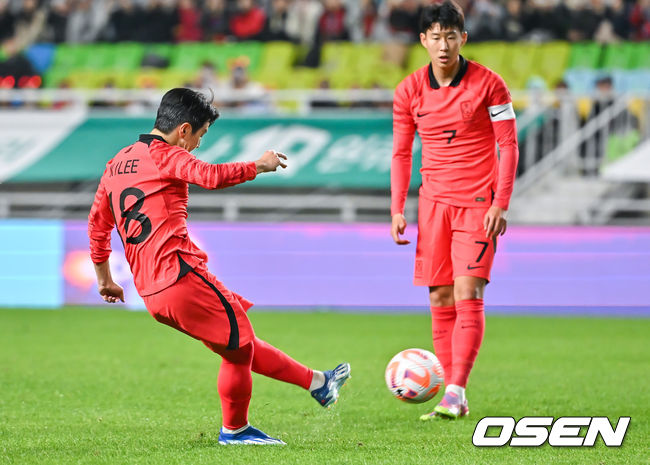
x=182, y=105
x=448, y=14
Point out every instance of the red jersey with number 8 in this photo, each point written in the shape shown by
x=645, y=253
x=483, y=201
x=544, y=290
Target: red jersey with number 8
x=144, y=192
x=460, y=126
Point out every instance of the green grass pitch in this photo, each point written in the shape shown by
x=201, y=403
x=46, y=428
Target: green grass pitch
x=113, y=387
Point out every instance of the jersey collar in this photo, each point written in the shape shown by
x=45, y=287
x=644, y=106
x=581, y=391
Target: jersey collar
x=149, y=138
x=454, y=83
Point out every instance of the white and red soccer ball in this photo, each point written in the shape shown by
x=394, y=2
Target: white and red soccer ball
x=414, y=375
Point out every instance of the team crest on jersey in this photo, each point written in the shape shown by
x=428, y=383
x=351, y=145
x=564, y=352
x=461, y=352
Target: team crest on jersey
x=466, y=109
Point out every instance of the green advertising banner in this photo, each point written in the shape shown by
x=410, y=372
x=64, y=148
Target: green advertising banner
x=340, y=152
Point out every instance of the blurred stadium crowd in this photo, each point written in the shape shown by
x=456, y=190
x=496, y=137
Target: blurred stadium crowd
x=309, y=21
x=249, y=46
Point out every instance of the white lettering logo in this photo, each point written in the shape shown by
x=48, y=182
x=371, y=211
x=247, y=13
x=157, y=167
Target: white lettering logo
x=564, y=432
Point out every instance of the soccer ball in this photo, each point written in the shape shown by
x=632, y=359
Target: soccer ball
x=414, y=375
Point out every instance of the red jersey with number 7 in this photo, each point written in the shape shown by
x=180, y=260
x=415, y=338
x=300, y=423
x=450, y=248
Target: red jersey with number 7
x=144, y=192
x=460, y=126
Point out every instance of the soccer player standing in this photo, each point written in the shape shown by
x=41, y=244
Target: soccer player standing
x=461, y=111
x=144, y=193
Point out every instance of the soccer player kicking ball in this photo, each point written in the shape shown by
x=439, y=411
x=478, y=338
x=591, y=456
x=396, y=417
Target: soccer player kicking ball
x=144, y=192
x=460, y=110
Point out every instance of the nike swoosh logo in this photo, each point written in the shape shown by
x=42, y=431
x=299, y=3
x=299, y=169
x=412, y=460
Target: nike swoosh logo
x=423, y=114
x=498, y=113
x=469, y=267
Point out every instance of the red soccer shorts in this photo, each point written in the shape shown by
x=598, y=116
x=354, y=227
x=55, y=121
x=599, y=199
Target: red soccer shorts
x=451, y=243
x=202, y=307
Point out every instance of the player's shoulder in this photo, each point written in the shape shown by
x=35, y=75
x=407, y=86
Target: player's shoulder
x=482, y=73
x=413, y=81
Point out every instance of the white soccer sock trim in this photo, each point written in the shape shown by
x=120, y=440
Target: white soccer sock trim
x=458, y=390
x=317, y=381
x=235, y=431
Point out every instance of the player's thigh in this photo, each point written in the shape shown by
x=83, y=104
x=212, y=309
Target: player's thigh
x=433, y=265
x=472, y=251
x=202, y=307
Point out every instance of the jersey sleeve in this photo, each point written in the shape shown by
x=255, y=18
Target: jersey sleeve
x=504, y=125
x=179, y=164
x=403, y=134
x=100, y=225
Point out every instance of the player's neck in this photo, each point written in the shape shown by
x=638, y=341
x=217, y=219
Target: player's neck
x=169, y=138
x=444, y=76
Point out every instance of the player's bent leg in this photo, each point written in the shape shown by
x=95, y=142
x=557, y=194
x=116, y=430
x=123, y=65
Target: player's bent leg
x=272, y=362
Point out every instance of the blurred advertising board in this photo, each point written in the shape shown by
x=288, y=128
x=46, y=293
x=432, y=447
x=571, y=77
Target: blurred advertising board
x=337, y=151
x=570, y=270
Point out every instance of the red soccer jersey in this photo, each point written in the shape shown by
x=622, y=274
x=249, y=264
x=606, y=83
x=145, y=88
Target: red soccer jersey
x=460, y=126
x=144, y=192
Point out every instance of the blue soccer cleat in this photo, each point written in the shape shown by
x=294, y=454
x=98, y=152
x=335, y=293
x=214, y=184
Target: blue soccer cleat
x=334, y=380
x=250, y=436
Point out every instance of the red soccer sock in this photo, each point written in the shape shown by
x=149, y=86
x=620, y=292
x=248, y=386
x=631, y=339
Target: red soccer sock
x=235, y=385
x=442, y=328
x=466, y=339
x=272, y=362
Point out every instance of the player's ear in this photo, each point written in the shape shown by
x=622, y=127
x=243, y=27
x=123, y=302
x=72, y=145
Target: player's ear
x=463, y=38
x=184, y=130
x=423, y=38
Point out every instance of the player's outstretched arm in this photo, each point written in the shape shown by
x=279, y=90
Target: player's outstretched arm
x=397, y=228
x=110, y=291
x=270, y=161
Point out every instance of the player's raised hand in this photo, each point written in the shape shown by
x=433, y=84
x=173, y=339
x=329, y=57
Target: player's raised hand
x=111, y=292
x=494, y=222
x=398, y=227
x=270, y=161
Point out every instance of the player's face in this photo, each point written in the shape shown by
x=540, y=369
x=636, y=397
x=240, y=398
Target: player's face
x=443, y=45
x=192, y=140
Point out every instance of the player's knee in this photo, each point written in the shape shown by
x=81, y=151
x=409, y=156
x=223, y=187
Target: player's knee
x=441, y=296
x=240, y=356
x=468, y=292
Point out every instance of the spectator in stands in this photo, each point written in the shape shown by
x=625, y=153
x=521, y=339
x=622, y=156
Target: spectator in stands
x=617, y=15
x=512, y=27
x=189, y=22
x=86, y=21
x=585, y=19
x=332, y=23
x=404, y=20
x=208, y=78
x=247, y=23
x=57, y=22
x=546, y=20
x=640, y=20
x=251, y=93
x=157, y=22
x=214, y=21
x=276, y=22
x=123, y=22
x=485, y=21
x=302, y=20
x=368, y=17
x=28, y=25
x=7, y=21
